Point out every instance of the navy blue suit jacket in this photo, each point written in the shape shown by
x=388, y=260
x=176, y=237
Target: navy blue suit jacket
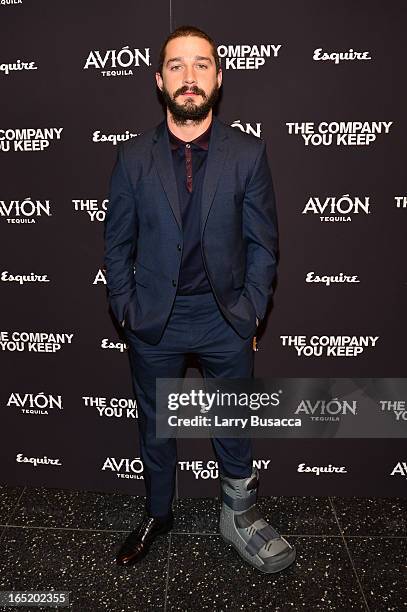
x=144, y=239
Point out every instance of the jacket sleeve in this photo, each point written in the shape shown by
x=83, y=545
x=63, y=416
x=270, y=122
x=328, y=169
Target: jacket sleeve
x=260, y=232
x=120, y=238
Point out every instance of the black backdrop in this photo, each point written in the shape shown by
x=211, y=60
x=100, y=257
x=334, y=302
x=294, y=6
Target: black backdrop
x=85, y=80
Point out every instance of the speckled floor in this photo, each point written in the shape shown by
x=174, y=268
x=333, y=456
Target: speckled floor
x=351, y=554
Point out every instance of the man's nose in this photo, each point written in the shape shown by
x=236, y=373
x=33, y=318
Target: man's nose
x=189, y=76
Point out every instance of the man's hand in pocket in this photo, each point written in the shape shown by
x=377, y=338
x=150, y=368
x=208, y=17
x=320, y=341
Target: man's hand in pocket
x=254, y=343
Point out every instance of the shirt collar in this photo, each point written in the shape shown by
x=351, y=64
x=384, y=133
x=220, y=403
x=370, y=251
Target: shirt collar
x=202, y=140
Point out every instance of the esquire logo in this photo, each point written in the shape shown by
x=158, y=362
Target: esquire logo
x=118, y=346
x=124, y=467
x=12, y=67
x=22, y=279
x=36, y=461
x=246, y=57
x=333, y=279
x=113, y=62
x=98, y=136
x=340, y=56
x=318, y=470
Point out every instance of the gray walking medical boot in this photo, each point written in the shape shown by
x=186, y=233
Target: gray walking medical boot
x=242, y=525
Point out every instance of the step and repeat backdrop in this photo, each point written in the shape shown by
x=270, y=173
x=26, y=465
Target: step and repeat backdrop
x=324, y=85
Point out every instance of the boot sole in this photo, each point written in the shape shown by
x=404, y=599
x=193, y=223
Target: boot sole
x=266, y=569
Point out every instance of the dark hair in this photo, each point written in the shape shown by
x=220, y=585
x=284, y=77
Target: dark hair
x=187, y=30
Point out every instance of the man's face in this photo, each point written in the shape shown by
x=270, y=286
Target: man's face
x=189, y=83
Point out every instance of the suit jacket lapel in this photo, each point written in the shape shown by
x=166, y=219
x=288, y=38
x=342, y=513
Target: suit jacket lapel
x=214, y=165
x=163, y=160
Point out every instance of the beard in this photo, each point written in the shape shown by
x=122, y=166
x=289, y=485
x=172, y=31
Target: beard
x=189, y=111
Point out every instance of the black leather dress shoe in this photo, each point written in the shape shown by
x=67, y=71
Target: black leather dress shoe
x=138, y=542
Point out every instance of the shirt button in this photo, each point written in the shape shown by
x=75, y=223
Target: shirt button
x=174, y=282
x=188, y=145
x=178, y=247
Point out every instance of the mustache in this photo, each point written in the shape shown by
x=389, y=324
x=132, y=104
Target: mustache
x=195, y=90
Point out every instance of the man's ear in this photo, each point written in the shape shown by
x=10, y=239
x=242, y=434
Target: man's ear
x=159, y=80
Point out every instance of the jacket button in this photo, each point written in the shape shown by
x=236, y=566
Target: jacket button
x=174, y=283
x=178, y=247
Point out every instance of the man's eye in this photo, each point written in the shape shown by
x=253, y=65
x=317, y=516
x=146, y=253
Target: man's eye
x=202, y=65
x=172, y=67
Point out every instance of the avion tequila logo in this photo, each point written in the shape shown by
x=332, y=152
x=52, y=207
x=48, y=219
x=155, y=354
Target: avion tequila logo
x=117, y=63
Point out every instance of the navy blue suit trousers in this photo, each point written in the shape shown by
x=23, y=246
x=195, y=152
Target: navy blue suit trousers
x=196, y=325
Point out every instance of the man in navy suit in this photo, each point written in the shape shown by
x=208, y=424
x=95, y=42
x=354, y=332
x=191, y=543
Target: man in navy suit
x=190, y=256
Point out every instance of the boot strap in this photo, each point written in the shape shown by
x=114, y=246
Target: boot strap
x=260, y=538
x=239, y=504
